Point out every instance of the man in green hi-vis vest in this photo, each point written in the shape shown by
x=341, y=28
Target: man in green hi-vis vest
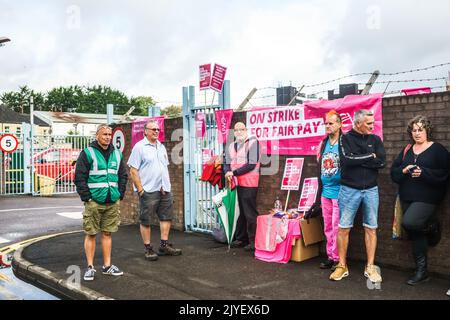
x=101, y=178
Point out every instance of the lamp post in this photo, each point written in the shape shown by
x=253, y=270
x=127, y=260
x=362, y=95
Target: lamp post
x=3, y=40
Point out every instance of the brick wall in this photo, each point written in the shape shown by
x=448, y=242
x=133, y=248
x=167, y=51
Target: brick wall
x=396, y=113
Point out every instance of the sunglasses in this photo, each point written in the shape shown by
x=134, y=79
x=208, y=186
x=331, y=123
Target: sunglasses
x=153, y=129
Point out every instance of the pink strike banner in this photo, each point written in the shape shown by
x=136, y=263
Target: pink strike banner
x=205, y=76
x=309, y=194
x=223, y=120
x=292, y=174
x=410, y=92
x=298, y=130
x=200, y=127
x=137, y=129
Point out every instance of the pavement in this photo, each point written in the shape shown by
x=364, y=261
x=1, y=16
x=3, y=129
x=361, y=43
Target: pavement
x=206, y=270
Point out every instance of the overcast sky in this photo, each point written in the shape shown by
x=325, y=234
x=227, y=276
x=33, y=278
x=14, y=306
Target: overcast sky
x=154, y=47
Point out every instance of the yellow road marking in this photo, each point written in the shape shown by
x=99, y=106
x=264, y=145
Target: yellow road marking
x=15, y=246
x=4, y=278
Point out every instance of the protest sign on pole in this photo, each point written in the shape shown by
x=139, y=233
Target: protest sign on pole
x=309, y=194
x=292, y=174
x=205, y=76
x=218, y=77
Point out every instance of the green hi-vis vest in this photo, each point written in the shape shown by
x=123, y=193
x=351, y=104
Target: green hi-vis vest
x=103, y=177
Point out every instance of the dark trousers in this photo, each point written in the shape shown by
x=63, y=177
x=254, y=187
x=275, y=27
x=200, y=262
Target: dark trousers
x=246, y=224
x=416, y=218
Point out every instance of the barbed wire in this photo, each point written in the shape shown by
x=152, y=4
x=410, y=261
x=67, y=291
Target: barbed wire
x=337, y=79
x=402, y=81
x=370, y=73
x=416, y=70
x=263, y=97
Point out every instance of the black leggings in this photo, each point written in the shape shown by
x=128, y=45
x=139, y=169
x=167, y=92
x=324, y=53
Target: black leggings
x=416, y=217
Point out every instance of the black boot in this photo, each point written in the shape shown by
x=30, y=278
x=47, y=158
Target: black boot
x=421, y=274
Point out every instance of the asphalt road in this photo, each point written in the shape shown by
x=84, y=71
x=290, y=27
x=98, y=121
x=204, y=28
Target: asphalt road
x=26, y=217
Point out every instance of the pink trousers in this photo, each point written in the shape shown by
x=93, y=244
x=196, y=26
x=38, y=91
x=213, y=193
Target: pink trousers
x=330, y=213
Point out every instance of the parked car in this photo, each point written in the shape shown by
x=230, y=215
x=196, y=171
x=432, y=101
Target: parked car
x=56, y=163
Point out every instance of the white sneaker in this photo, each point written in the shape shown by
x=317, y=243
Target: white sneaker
x=89, y=274
x=448, y=292
x=373, y=273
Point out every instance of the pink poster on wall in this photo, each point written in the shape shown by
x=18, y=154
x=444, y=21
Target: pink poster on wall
x=309, y=194
x=292, y=174
x=200, y=127
x=298, y=130
x=223, y=120
x=137, y=129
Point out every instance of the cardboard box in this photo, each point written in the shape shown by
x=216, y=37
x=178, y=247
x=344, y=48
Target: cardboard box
x=307, y=246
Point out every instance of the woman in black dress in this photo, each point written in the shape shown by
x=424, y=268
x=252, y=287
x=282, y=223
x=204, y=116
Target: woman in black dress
x=421, y=170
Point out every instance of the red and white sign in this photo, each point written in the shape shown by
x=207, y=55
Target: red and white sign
x=218, y=77
x=292, y=174
x=8, y=143
x=200, y=126
x=309, y=194
x=118, y=139
x=223, y=120
x=205, y=76
x=298, y=130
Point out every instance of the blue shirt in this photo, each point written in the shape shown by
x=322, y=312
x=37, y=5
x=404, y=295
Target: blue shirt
x=151, y=161
x=330, y=171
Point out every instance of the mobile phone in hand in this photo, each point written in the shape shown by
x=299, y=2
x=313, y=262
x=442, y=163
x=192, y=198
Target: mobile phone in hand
x=411, y=170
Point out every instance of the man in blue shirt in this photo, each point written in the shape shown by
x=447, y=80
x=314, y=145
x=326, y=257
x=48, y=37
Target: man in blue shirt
x=148, y=169
x=330, y=178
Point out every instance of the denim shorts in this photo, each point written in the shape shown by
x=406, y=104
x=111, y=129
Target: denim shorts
x=349, y=201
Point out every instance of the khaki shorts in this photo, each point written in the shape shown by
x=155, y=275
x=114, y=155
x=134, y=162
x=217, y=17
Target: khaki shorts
x=101, y=217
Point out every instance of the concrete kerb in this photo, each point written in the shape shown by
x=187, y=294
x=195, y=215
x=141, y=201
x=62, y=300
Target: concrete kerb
x=49, y=281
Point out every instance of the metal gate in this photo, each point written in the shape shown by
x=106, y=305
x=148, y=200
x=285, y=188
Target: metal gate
x=200, y=214
x=53, y=162
x=42, y=164
x=11, y=168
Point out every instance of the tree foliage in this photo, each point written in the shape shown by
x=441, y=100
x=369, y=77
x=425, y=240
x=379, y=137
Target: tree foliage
x=78, y=99
x=172, y=111
x=19, y=101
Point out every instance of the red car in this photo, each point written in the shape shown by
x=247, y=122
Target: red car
x=56, y=163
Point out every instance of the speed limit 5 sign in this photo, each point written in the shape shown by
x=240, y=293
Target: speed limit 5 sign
x=118, y=139
x=8, y=143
